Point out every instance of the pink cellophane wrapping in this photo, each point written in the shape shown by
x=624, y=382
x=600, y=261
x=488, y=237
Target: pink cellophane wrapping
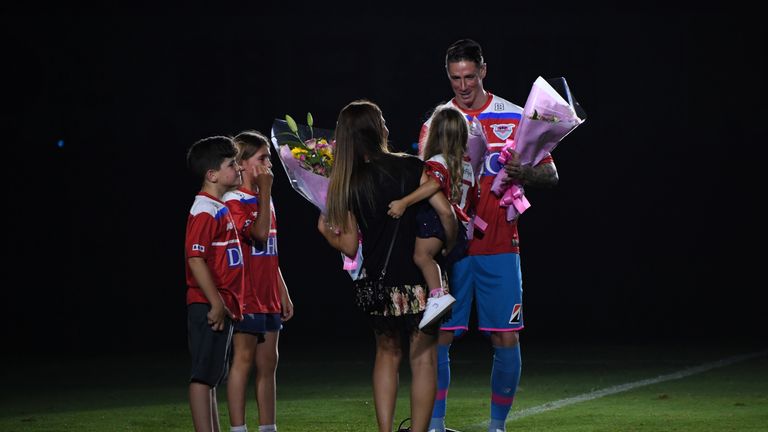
x=314, y=188
x=536, y=138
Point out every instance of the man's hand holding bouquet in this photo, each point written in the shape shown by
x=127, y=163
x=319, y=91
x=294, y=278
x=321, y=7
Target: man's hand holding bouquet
x=548, y=116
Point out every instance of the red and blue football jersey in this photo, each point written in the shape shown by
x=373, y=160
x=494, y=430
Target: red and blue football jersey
x=437, y=168
x=212, y=235
x=261, y=293
x=499, y=119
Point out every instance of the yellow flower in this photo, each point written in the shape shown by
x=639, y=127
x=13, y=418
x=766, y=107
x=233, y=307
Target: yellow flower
x=297, y=151
x=314, y=153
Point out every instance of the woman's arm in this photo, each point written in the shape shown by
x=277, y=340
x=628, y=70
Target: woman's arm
x=344, y=241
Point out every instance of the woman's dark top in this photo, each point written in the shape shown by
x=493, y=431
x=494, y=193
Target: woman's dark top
x=394, y=176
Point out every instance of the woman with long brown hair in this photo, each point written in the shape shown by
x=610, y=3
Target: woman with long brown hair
x=365, y=178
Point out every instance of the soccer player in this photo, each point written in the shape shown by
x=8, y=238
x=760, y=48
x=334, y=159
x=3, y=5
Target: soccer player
x=490, y=273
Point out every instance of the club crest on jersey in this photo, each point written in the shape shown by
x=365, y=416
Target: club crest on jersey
x=516, y=314
x=503, y=131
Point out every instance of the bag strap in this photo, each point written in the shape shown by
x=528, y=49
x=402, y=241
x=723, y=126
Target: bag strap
x=389, y=252
x=394, y=237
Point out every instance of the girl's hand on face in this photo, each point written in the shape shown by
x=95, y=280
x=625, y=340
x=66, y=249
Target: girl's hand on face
x=263, y=176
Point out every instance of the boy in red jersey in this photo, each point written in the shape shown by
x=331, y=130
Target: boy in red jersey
x=266, y=302
x=214, y=275
x=490, y=273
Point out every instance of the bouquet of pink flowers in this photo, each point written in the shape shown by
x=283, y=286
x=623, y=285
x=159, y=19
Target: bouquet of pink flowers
x=547, y=118
x=306, y=153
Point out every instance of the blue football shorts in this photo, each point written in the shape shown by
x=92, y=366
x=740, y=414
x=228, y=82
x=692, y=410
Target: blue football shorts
x=259, y=323
x=495, y=284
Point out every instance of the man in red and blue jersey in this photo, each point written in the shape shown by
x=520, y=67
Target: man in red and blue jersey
x=490, y=273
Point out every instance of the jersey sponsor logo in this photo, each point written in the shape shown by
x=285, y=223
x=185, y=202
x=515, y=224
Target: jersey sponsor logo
x=517, y=313
x=268, y=248
x=198, y=248
x=503, y=130
x=234, y=257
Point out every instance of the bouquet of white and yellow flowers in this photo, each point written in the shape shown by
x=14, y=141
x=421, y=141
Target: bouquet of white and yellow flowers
x=307, y=156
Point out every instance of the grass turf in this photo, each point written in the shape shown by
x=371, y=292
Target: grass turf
x=148, y=392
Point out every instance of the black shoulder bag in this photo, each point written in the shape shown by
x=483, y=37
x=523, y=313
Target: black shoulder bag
x=371, y=293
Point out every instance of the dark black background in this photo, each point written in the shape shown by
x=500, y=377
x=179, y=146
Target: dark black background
x=654, y=232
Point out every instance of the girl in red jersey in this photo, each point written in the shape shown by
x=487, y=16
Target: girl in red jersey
x=266, y=301
x=446, y=170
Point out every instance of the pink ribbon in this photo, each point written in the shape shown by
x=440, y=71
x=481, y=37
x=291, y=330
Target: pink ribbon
x=349, y=263
x=512, y=195
x=515, y=196
x=352, y=263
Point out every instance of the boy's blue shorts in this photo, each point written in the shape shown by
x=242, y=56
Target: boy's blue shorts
x=209, y=350
x=495, y=283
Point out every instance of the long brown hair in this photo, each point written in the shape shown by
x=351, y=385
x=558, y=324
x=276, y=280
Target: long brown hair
x=448, y=135
x=360, y=138
x=248, y=143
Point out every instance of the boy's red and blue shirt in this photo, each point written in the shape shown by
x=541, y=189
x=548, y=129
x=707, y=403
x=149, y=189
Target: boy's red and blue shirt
x=212, y=235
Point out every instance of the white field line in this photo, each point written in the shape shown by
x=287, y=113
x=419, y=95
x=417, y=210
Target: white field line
x=549, y=406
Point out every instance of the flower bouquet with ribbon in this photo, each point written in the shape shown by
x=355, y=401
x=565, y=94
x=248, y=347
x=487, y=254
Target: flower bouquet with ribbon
x=548, y=116
x=306, y=154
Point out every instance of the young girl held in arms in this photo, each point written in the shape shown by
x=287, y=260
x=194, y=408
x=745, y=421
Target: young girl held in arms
x=446, y=170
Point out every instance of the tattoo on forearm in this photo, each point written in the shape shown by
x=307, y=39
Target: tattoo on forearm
x=541, y=176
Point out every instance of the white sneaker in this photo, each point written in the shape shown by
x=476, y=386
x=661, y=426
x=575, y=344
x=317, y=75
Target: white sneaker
x=436, y=308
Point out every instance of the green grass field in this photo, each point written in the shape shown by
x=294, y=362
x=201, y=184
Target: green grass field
x=144, y=392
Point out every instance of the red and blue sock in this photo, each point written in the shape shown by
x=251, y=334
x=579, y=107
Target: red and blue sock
x=443, y=382
x=505, y=377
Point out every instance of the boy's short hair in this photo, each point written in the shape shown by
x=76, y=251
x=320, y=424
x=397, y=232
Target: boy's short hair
x=209, y=153
x=464, y=49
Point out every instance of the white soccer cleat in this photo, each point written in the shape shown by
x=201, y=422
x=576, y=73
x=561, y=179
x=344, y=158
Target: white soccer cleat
x=436, y=308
